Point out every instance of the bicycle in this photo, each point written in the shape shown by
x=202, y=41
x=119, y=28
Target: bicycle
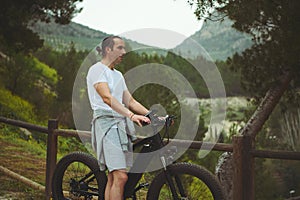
x=176, y=181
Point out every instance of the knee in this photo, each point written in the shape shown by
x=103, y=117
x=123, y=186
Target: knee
x=109, y=178
x=121, y=177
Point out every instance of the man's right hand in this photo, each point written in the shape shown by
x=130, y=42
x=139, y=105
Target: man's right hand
x=141, y=120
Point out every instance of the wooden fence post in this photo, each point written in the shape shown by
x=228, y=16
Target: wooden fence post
x=243, y=177
x=51, y=155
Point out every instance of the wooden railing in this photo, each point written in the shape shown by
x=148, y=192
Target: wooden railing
x=242, y=149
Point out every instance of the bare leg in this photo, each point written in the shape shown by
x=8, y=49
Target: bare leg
x=117, y=187
x=108, y=185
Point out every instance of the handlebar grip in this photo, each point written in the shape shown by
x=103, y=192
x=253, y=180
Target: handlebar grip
x=144, y=123
x=157, y=121
x=146, y=115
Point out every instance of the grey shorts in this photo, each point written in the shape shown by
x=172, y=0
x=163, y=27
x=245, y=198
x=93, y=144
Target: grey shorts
x=114, y=157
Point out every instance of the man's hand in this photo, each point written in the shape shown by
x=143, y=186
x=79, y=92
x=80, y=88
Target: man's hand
x=139, y=119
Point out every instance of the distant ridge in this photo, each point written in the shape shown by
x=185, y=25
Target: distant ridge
x=60, y=36
x=219, y=39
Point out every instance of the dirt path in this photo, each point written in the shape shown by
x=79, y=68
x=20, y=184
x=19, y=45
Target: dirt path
x=16, y=158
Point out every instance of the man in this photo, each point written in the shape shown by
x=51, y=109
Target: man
x=113, y=108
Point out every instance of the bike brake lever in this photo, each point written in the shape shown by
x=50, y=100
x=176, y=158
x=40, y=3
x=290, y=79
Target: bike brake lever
x=150, y=115
x=170, y=120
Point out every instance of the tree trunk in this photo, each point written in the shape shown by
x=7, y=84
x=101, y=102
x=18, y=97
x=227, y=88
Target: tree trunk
x=266, y=107
x=253, y=126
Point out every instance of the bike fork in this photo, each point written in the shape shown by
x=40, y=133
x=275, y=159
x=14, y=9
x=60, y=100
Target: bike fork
x=169, y=179
x=171, y=183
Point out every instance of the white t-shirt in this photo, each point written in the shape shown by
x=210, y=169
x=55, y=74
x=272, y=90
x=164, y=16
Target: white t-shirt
x=99, y=73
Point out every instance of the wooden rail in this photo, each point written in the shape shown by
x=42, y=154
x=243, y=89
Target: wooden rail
x=242, y=148
x=22, y=179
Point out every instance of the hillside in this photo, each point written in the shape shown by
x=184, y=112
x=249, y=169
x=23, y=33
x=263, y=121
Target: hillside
x=219, y=39
x=60, y=36
x=25, y=157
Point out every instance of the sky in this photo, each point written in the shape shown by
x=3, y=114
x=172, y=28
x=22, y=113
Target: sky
x=141, y=20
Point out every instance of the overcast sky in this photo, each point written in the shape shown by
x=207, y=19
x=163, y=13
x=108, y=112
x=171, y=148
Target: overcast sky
x=139, y=19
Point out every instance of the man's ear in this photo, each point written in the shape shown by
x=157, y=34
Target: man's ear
x=108, y=49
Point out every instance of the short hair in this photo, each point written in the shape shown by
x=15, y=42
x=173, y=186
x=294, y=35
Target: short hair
x=107, y=42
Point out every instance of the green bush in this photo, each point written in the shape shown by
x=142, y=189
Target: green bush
x=12, y=106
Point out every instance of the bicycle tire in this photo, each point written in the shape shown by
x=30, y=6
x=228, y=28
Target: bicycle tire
x=194, y=178
x=84, y=162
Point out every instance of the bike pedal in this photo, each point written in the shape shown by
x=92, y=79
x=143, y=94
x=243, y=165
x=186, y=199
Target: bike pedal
x=141, y=185
x=144, y=185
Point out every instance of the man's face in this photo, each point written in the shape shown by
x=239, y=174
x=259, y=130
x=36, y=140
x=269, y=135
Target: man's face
x=117, y=52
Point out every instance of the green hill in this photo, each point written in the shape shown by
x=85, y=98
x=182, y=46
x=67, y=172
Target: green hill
x=219, y=39
x=60, y=36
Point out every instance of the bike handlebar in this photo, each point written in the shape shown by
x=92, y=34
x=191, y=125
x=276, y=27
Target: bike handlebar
x=159, y=121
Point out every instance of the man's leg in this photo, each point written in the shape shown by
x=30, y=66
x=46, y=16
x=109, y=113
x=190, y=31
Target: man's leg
x=108, y=185
x=117, y=188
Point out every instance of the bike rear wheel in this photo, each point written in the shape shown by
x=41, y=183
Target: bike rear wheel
x=78, y=176
x=190, y=181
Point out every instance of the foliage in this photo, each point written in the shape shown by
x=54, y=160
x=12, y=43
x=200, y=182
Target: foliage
x=289, y=126
x=47, y=73
x=66, y=65
x=30, y=79
x=232, y=80
x=274, y=26
x=68, y=145
x=15, y=16
x=14, y=107
x=272, y=177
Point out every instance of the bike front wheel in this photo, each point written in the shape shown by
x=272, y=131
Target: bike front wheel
x=189, y=181
x=78, y=176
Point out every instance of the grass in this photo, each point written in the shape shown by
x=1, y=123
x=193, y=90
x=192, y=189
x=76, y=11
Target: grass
x=12, y=189
x=27, y=158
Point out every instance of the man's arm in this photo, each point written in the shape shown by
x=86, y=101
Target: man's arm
x=103, y=90
x=133, y=105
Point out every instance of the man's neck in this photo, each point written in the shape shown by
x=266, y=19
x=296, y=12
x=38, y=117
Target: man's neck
x=108, y=63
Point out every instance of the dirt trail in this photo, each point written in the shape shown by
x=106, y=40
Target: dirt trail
x=16, y=159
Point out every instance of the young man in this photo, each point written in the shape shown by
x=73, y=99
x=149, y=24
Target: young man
x=113, y=108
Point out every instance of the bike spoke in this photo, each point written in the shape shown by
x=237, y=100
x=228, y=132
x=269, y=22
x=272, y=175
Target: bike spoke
x=79, y=183
x=193, y=188
x=77, y=176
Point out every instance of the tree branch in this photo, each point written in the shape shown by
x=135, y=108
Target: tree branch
x=266, y=107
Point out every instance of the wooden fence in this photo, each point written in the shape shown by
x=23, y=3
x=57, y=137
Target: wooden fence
x=241, y=147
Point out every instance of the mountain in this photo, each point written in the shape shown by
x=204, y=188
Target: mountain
x=60, y=36
x=219, y=40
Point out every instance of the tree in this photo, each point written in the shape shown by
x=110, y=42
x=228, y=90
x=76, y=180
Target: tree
x=66, y=64
x=16, y=15
x=67, y=67
x=271, y=65
x=275, y=27
x=30, y=79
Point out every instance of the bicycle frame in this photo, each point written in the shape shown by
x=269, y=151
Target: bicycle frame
x=173, y=177
x=150, y=144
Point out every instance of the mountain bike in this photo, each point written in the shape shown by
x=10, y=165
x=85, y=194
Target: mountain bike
x=78, y=176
